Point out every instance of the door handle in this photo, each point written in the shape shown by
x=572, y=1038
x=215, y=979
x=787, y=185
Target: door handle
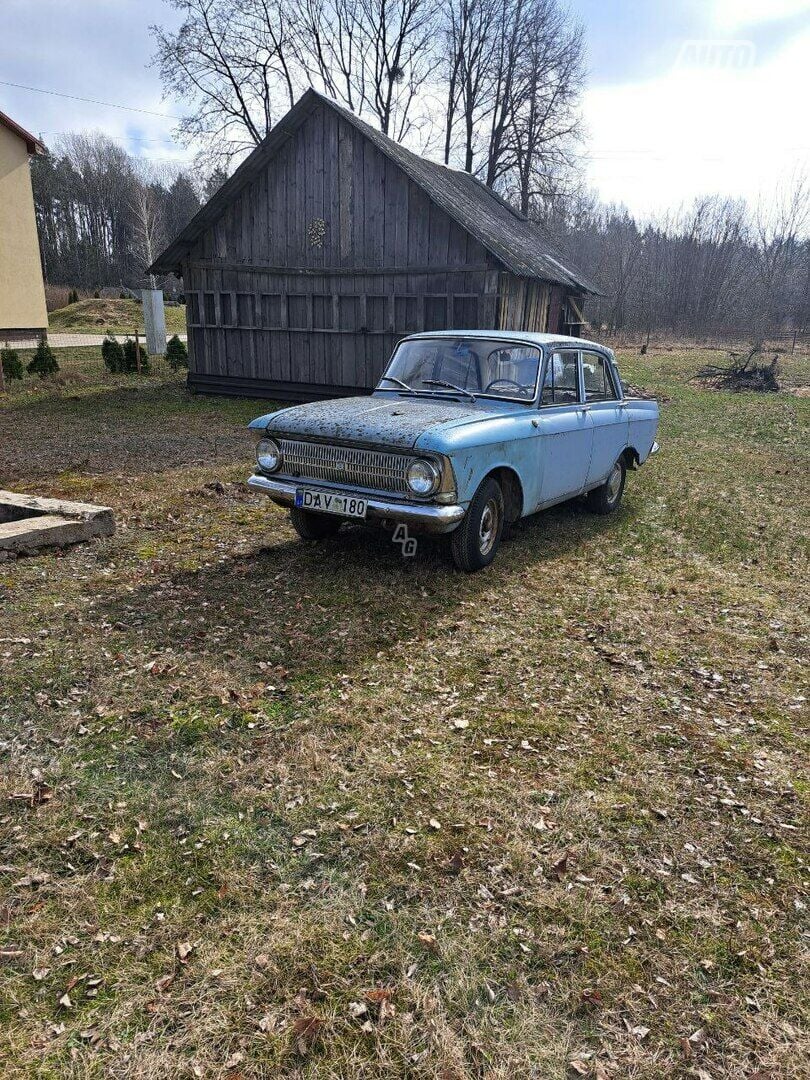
x=584, y=408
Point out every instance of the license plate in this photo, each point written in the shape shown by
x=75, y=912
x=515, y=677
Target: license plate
x=330, y=502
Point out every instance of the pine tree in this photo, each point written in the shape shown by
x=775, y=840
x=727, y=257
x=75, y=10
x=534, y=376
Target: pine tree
x=113, y=355
x=12, y=365
x=177, y=353
x=44, y=362
x=131, y=358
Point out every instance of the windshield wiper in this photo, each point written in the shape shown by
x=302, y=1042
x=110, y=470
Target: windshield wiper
x=448, y=386
x=399, y=382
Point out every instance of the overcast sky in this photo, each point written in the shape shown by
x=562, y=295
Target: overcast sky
x=684, y=97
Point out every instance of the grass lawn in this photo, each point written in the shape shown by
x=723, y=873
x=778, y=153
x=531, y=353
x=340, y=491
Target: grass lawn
x=283, y=810
x=113, y=316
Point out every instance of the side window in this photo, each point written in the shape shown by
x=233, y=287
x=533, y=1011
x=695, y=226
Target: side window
x=598, y=378
x=560, y=380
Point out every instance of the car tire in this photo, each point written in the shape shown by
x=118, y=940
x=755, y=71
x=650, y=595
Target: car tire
x=311, y=526
x=606, y=498
x=475, y=542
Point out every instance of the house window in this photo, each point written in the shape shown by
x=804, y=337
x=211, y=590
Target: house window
x=406, y=313
x=271, y=309
x=244, y=309
x=348, y=312
x=226, y=309
x=298, y=311
x=436, y=313
x=377, y=313
x=209, y=304
x=322, y=318
x=465, y=312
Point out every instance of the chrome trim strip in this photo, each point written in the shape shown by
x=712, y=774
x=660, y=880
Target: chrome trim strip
x=655, y=448
x=431, y=518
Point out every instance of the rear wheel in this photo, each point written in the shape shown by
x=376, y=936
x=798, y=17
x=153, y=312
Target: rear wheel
x=311, y=526
x=475, y=542
x=606, y=499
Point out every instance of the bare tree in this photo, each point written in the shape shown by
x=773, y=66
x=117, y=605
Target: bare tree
x=146, y=207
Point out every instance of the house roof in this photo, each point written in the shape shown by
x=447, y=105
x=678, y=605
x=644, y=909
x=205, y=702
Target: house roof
x=33, y=145
x=518, y=243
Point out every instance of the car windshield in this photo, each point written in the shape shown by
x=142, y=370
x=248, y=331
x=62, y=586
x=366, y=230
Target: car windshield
x=470, y=366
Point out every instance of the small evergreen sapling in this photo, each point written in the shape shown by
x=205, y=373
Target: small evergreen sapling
x=177, y=353
x=131, y=357
x=12, y=365
x=44, y=362
x=112, y=354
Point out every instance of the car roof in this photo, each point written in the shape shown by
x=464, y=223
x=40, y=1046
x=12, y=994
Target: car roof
x=530, y=337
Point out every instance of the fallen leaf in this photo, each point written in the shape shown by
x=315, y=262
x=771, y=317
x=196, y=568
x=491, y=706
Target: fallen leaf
x=40, y=973
x=184, y=949
x=306, y=1030
x=261, y=961
x=65, y=1001
x=428, y=940
x=164, y=982
x=461, y=724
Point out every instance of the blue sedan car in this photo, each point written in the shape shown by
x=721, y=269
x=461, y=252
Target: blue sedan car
x=467, y=432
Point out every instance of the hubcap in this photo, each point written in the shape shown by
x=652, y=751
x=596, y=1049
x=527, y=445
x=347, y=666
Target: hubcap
x=614, y=483
x=488, y=529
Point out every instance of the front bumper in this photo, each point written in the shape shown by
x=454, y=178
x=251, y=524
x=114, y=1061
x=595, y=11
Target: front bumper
x=426, y=517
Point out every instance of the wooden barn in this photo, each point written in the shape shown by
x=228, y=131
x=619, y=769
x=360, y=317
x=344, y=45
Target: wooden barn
x=331, y=241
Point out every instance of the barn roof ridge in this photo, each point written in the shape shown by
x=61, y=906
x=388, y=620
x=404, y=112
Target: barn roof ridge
x=518, y=243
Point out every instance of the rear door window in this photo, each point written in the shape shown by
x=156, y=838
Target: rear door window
x=560, y=384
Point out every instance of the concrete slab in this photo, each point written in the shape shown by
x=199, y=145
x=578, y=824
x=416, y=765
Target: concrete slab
x=28, y=522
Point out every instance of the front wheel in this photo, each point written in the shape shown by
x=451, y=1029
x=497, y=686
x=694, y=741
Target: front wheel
x=311, y=526
x=475, y=542
x=606, y=499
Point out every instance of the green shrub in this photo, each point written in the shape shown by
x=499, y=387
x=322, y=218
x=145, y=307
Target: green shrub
x=12, y=365
x=44, y=362
x=131, y=357
x=177, y=353
x=112, y=354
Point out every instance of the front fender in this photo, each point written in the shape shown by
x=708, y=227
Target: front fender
x=503, y=443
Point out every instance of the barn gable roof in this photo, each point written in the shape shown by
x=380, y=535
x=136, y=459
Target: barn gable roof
x=518, y=243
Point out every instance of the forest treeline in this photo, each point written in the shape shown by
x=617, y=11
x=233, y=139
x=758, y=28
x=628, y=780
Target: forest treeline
x=104, y=215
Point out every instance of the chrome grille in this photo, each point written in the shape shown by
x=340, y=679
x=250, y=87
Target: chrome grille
x=345, y=465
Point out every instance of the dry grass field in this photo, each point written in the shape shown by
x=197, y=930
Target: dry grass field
x=113, y=316
x=281, y=810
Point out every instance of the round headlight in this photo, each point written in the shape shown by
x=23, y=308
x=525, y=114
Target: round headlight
x=423, y=477
x=268, y=455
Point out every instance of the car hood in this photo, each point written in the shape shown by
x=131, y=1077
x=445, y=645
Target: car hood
x=386, y=420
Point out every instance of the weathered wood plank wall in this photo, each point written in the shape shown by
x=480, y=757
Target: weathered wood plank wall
x=322, y=263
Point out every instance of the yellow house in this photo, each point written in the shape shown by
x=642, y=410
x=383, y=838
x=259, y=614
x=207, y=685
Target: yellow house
x=22, y=293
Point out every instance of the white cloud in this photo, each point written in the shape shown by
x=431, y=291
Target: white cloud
x=695, y=131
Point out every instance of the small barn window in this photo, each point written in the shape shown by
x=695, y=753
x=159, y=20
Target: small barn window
x=209, y=304
x=322, y=318
x=406, y=312
x=377, y=317
x=465, y=312
x=244, y=309
x=271, y=309
x=348, y=313
x=226, y=309
x=298, y=311
x=436, y=313
x=193, y=308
